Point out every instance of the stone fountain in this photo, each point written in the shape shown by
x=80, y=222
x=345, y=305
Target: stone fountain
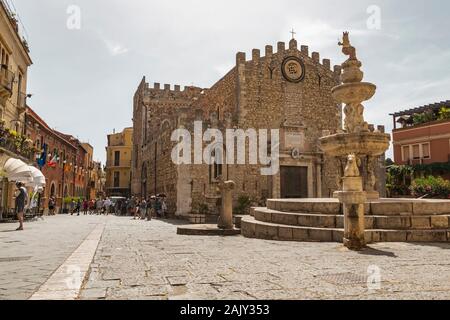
x=356, y=147
x=355, y=215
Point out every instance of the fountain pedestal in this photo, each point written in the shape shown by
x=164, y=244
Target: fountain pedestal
x=353, y=199
x=357, y=145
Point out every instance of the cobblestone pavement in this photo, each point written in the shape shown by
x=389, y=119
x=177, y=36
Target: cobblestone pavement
x=147, y=260
x=29, y=258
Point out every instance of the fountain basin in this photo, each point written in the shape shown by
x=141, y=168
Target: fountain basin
x=363, y=143
x=351, y=93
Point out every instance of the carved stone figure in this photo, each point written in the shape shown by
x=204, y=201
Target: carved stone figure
x=352, y=170
x=354, y=118
x=347, y=48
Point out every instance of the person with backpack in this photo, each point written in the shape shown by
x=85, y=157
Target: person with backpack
x=21, y=200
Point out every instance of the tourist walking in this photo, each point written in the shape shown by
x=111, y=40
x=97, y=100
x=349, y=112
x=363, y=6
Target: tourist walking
x=72, y=207
x=78, y=206
x=157, y=207
x=99, y=206
x=143, y=209
x=85, y=207
x=107, y=206
x=149, y=209
x=123, y=209
x=91, y=206
x=163, y=207
x=20, y=204
x=136, y=208
x=51, y=206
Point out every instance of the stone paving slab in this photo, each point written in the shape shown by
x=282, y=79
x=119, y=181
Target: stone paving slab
x=48, y=243
x=148, y=260
x=66, y=282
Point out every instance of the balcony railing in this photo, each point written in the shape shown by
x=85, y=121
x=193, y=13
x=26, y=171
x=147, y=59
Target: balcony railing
x=113, y=164
x=16, y=144
x=6, y=82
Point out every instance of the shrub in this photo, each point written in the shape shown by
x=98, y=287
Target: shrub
x=444, y=113
x=244, y=204
x=432, y=187
x=68, y=200
x=203, y=208
x=420, y=118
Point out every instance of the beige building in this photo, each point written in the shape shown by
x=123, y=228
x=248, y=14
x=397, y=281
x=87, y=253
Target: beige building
x=97, y=181
x=15, y=60
x=118, y=163
x=14, y=63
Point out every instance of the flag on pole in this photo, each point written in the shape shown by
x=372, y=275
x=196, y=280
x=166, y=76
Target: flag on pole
x=53, y=162
x=43, y=158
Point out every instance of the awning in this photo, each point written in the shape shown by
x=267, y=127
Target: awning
x=38, y=178
x=19, y=171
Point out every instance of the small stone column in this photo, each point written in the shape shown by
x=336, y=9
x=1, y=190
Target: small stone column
x=353, y=198
x=226, y=212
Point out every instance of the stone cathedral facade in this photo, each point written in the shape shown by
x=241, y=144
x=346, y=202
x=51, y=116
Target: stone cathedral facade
x=288, y=89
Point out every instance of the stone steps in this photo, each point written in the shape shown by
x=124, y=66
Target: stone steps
x=252, y=228
x=383, y=207
x=318, y=220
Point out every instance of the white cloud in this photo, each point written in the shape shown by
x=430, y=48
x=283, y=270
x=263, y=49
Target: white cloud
x=114, y=48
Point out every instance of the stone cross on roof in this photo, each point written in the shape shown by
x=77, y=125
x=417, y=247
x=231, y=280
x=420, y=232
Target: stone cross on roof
x=293, y=33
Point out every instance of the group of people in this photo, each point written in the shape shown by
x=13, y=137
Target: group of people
x=94, y=206
x=139, y=208
x=145, y=209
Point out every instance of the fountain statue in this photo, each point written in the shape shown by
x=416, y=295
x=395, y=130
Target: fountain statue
x=356, y=147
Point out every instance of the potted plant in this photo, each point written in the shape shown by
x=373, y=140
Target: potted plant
x=244, y=205
x=66, y=201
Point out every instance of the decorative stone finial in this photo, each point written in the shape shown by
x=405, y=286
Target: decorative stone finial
x=351, y=67
x=347, y=48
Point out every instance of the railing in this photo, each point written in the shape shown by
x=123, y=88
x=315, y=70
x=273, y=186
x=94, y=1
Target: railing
x=16, y=144
x=6, y=78
x=113, y=164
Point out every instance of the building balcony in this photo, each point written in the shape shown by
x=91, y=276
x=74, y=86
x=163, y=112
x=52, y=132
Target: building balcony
x=115, y=165
x=422, y=125
x=16, y=144
x=22, y=102
x=6, y=83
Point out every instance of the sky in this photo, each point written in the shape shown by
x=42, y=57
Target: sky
x=86, y=70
